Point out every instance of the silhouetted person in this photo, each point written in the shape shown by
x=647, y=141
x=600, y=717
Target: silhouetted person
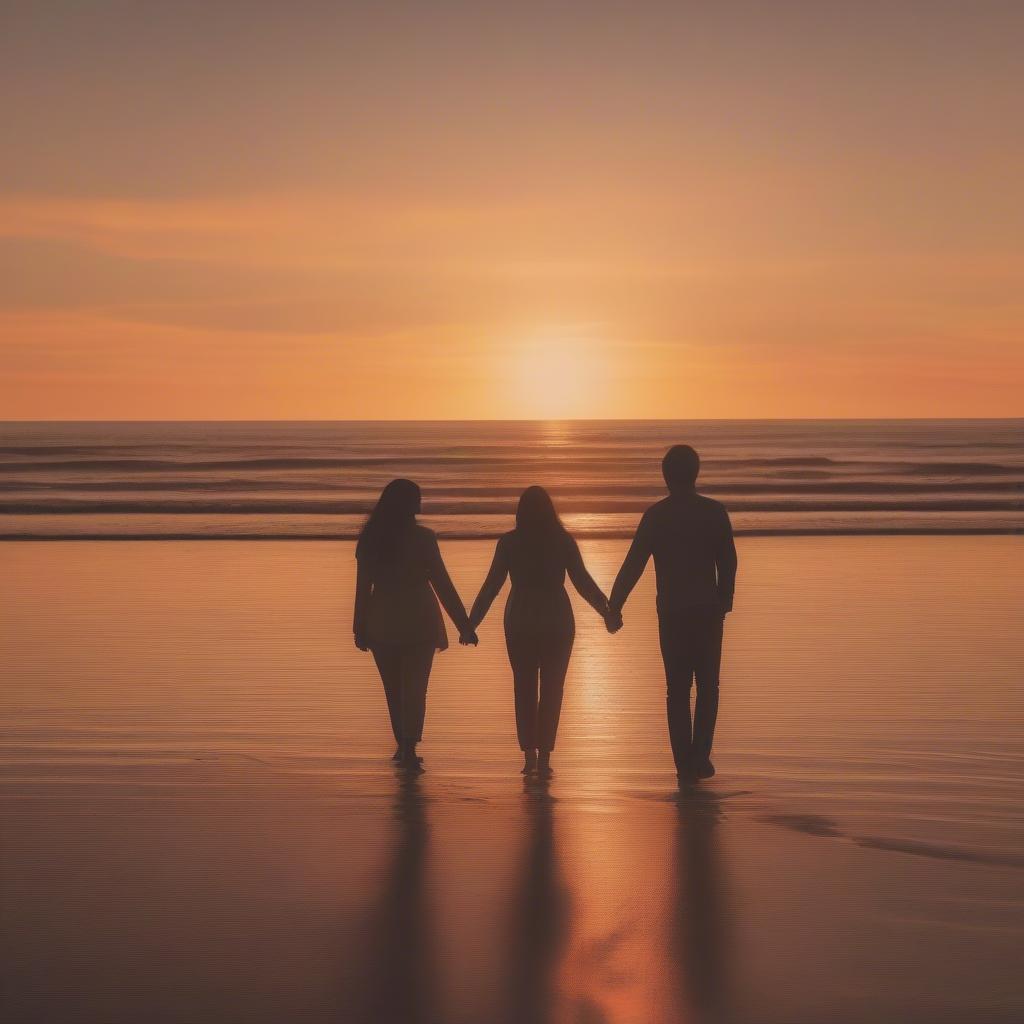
x=690, y=537
x=396, y=612
x=539, y=624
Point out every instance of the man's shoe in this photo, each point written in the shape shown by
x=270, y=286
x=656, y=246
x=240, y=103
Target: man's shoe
x=706, y=770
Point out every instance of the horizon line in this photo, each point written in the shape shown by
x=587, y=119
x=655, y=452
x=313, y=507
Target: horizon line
x=552, y=419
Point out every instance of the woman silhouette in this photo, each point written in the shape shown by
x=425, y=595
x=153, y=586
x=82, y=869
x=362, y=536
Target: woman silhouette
x=396, y=613
x=539, y=624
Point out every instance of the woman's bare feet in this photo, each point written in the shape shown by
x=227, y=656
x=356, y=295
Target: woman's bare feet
x=530, y=764
x=544, y=765
x=408, y=759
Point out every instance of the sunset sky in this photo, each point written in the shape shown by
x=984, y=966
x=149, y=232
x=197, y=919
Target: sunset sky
x=227, y=210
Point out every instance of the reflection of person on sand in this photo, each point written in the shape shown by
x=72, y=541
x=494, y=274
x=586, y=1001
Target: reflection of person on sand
x=698, y=933
x=400, y=577
x=539, y=624
x=690, y=538
x=539, y=924
x=398, y=980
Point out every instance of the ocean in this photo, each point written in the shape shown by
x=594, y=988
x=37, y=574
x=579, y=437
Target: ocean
x=318, y=479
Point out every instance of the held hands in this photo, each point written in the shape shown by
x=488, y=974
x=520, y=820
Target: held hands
x=613, y=620
x=612, y=616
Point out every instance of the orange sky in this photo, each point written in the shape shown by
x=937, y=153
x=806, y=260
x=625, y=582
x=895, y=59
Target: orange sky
x=446, y=210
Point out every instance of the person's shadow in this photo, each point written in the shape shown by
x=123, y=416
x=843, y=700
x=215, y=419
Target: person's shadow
x=398, y=979
x=539, y=917
x=699, y=918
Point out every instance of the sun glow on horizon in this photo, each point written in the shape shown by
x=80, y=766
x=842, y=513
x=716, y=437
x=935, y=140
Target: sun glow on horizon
x=558, y=374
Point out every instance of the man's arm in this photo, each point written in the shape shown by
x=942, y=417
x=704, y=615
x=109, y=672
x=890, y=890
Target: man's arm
x=725, y=563
x=633, y=566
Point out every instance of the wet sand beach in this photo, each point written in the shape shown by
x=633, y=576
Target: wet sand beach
x=200, y=821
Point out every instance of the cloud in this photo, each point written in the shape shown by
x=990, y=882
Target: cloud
x=380, y=305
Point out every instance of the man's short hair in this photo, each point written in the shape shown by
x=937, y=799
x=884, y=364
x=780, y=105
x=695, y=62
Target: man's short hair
x=680, y=466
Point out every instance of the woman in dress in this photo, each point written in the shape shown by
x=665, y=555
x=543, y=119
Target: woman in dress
x=539, y=624
x=400, y=576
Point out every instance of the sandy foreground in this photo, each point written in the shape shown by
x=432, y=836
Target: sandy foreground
x=199, y=820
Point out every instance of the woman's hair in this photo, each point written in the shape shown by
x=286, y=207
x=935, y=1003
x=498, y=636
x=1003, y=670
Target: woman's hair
x=392, y=518
x=536, y=517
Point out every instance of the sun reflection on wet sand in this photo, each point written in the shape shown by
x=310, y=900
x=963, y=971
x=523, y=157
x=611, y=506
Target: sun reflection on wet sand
x=539, y=917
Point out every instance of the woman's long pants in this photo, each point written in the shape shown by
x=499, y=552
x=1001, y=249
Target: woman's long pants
x=539, y=664
x=405, y=672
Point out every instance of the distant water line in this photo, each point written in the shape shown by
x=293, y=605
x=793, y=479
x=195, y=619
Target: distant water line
x=317, y=480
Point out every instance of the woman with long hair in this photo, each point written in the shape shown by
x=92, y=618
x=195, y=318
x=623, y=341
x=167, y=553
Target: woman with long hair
x=539, y=624
x=400, y=576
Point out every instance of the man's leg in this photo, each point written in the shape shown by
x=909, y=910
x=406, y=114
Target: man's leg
x=677, y=654
x=707, y=666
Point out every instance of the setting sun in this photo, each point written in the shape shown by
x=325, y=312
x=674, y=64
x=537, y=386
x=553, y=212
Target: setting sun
x=558, y=374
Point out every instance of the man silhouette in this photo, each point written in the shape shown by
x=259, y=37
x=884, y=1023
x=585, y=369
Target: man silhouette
x=690, y=537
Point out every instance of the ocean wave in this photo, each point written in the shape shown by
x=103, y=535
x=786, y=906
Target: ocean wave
x=487, y=458
x=534, y=463
x=718, y=489
x=471, y=534
x=335, y=506
x=950, y=473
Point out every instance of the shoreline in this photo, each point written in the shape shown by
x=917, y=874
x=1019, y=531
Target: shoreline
x=974, y=531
